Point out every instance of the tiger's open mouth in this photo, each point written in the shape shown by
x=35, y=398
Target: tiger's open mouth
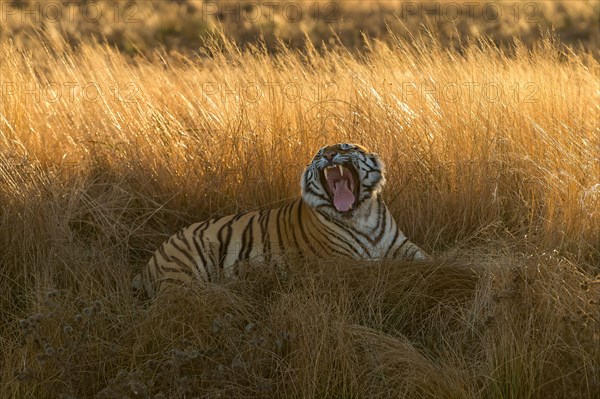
x=340, y=182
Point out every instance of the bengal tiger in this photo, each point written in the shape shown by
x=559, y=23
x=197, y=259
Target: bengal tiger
x=339, y=214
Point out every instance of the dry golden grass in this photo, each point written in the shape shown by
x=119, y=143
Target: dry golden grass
x=102, y=157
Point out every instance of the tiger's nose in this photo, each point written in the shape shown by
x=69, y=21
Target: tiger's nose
x=328, y=155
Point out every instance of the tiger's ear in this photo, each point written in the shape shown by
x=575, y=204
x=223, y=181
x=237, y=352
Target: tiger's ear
x=376, y=159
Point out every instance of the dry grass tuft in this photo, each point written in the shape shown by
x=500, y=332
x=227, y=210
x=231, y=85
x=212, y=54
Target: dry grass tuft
x=102, y=157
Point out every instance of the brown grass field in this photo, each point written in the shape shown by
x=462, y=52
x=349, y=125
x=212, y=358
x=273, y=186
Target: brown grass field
x=493, y=166
x=180, y=25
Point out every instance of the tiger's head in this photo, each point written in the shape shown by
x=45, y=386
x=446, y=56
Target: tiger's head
x=341, y=178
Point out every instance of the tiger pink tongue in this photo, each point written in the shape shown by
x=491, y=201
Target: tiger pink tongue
x=343, y=197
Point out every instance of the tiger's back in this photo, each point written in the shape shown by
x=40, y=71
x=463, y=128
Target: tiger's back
x=211, y=250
